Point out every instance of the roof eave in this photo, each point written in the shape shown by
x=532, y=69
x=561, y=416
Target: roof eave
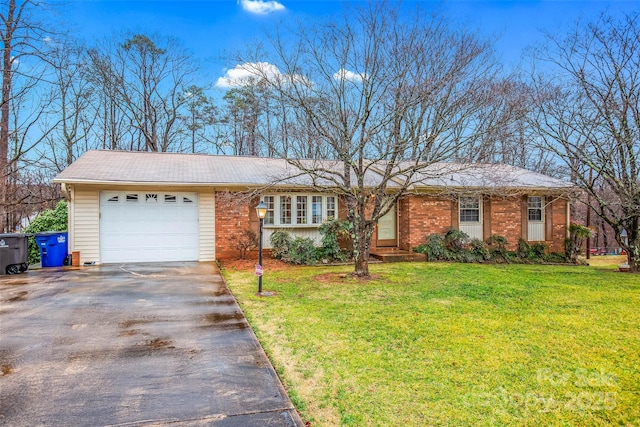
x=520, y=189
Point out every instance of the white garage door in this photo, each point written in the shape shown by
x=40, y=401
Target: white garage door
x=148, y=226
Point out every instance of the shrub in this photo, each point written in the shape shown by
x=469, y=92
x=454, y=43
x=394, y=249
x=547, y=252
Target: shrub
x=555, y=258
x=480, y=250
x=332, y=231
x=302, y=251
x=450, y=247
x=524, y=250
x=498, y=247
x=466, y=256
x=48, y=220
x=245, y=241
x=577, y=235
x=538, y=251
x=454, y=240
x=281, y=242
x=434, y=249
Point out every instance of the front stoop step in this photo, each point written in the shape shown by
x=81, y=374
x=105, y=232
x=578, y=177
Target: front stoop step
x=397, y=256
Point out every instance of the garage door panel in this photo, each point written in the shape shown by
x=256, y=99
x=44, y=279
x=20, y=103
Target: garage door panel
x=143, y=226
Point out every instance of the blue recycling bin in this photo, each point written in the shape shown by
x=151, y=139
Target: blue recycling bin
x=53, y=248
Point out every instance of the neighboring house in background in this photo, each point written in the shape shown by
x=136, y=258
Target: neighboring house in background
x=149, y=207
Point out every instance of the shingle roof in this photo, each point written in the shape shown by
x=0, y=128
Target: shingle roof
x=457, y=175
x=124, y=167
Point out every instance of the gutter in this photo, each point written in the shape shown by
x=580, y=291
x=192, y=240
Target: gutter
x=413, y=188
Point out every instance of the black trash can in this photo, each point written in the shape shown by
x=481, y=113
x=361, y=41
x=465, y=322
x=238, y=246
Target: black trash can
x=13, y=253
x=53, y=248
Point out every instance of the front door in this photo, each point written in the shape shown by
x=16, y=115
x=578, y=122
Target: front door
x=387, y=230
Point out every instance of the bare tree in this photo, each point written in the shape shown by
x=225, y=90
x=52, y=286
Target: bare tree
x=24, y=44
x=72, y=112
x=112, y=125
x=383, y=94
x=143, y=81
x=512, y=141
x=589, y=114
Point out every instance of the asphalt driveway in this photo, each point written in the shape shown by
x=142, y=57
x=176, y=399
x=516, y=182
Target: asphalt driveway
x=133, y=344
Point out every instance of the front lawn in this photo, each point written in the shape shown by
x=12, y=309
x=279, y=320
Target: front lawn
x=452, y=344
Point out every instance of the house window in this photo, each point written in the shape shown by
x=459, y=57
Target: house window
x=186, y=200
x=285, y=209
x=269, y=218
x=316, y=210
x=535, y=216
x=535, y=208
x=132, y=198
x=469, y=209
x=169, y=198
x=113, y=199
x=299, y=210
x=151, y=198
x=331, y=207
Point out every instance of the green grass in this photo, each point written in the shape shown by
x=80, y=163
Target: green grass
x=452, y=344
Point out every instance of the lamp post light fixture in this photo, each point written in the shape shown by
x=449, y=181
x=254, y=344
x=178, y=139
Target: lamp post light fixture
x=261, y=210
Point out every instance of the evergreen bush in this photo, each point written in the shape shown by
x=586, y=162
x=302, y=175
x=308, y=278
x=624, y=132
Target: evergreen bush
x=480, y=250
x=452, y=246
x=281, y=242
x=332, y=231
x=302, y=251
x=48, y=220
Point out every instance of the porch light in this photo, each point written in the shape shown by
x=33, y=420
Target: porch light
x=261, y=210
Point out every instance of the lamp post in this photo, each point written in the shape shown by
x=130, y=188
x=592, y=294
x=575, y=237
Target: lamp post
x=261, y=210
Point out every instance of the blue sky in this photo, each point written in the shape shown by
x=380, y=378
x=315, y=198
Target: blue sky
x=209, y=27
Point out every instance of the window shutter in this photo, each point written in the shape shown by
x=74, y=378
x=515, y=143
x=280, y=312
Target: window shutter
x=548, y=218
x=486, y=214
x=524, y=217
x=454, y=214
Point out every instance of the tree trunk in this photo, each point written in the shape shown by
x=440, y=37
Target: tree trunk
x=4, y=113
x=361, y=235
x=633, y=250
x=361, y=256
x=605, y=241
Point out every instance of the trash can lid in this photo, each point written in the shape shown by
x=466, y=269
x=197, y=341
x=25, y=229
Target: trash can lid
x=50, y=233
x=5, y=235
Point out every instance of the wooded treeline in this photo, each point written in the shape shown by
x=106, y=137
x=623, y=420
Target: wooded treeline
x=374, y=84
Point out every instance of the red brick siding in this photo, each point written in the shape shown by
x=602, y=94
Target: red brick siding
x=418, y=217
x=506, y=219
x=559, y=227
x=234, y=212
x=421, y=216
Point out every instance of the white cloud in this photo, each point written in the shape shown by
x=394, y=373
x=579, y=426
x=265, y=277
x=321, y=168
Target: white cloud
x=349, y=76
x=261, y=7
x=247, y=73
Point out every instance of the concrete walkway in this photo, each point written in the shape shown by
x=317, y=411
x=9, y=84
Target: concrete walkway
x=132, y=345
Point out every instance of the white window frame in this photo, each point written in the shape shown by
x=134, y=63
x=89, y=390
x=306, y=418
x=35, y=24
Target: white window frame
x=461, y=208
x=531, y=207
x=536, y=229
x=270, y=217
x=274, y=203
x=474, y=229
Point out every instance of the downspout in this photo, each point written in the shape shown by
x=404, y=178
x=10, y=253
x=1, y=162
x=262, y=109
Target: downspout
x=568, y=224
x=65, y=191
